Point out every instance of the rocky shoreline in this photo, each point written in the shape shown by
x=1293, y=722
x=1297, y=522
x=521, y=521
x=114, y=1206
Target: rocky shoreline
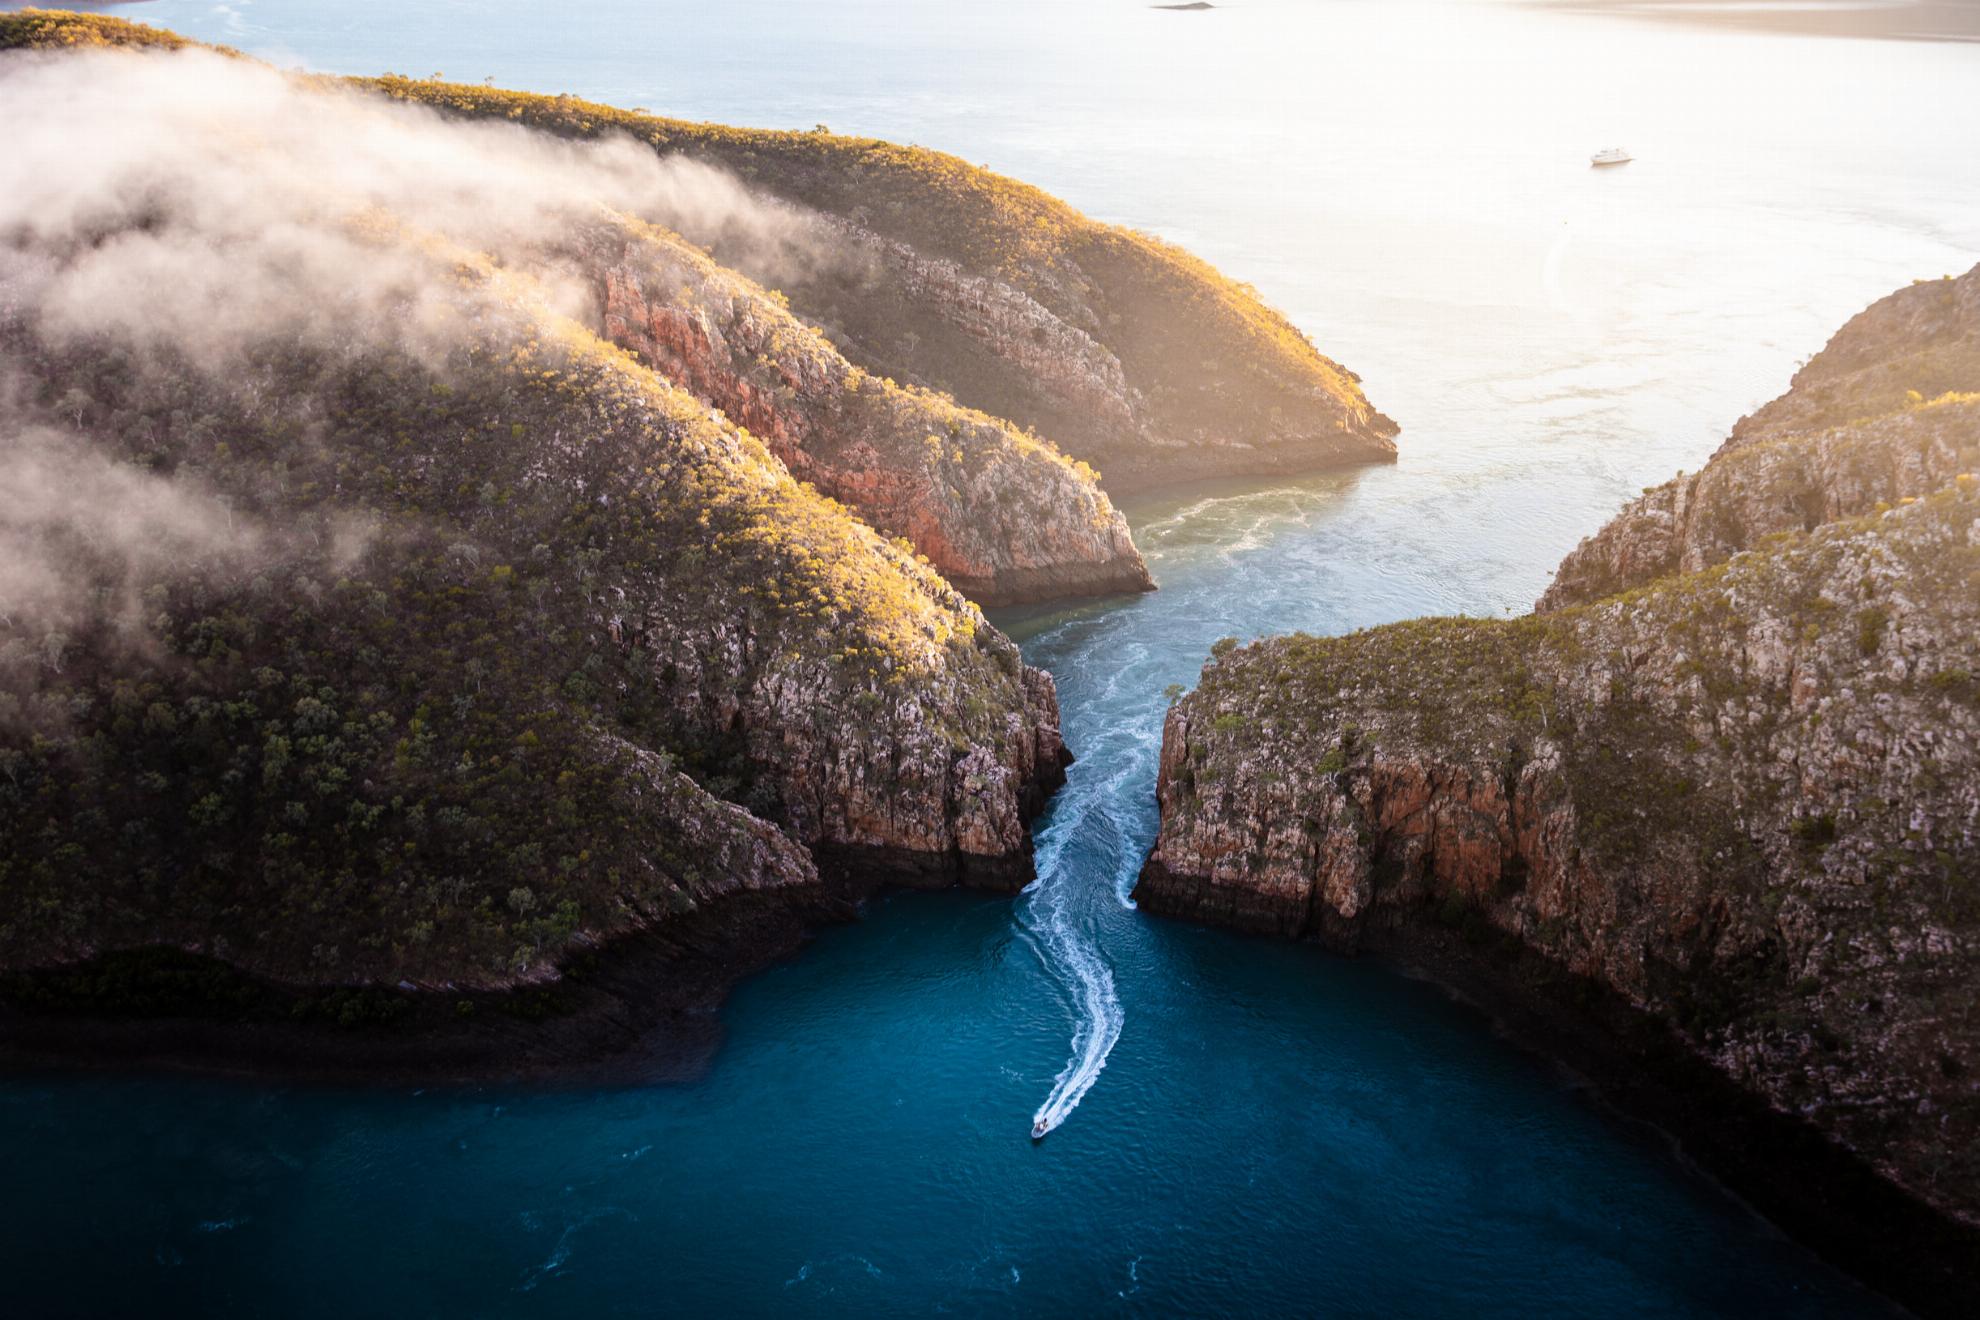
x=634, y=1008
x=1809, y=1187
x=1005, y=517
x=1723, y=779
x=569, y=583
x=647, y=655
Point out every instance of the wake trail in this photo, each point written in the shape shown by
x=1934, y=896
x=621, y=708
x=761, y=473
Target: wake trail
x=1067, y=951
x=1093, y=829
x=1053, y=917
x=1077, y=963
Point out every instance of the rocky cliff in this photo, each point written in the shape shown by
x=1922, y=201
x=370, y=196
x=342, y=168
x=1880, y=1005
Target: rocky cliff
x=1001, y=514
x=1126, y=352
x=526, y=682
x=1104, y=348
x=1886, y=411
x=1743, y=799
x=367, y=620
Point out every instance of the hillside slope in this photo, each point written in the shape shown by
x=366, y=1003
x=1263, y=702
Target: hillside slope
x=366, y=618
x=1126, y=352
x=1889, y=409
x=1003, y=516
x=1741, y=801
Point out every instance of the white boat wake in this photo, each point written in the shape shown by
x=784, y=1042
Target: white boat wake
x=1089, y=984
x=1114, y=670
x=1092, y=838
x=1053, y=930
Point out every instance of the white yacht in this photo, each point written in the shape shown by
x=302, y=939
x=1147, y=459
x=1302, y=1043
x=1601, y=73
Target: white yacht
x=1610, y=156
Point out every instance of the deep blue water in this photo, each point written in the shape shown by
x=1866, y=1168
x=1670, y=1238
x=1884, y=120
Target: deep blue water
x=1273, y=1131
x=1243, y=1127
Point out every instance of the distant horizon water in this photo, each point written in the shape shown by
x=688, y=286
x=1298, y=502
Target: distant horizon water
x=1240, y=1127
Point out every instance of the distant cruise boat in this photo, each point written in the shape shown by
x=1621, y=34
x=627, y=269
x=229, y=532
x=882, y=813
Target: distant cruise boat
x=1610, y=156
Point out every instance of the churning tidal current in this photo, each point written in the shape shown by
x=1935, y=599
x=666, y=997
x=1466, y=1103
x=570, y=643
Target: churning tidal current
x=1268, y=1130
x=1240, y=1127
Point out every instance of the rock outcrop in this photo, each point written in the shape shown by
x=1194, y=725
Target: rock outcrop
x=1002, y=515
x=1124, y=351
x=1743, y=799
x=1890, y=409
x=393, y=627
x=1104, y=348
x=1225, y=387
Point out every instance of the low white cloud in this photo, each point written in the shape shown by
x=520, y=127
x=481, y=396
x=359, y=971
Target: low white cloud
x=192, y=209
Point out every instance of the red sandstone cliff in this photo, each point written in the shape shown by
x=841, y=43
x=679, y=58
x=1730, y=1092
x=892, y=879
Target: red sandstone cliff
x=1742, y=795
x=1001, y=514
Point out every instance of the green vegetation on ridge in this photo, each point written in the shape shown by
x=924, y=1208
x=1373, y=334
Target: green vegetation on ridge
x=1212, y=379
x=422, y=757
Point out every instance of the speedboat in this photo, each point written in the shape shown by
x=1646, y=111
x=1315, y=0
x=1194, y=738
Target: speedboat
x=1038, y=1130
x=1610, y=156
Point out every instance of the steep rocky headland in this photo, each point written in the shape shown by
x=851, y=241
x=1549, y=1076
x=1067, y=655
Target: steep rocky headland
x=476, y=649
x=1002, y=515
x=1734, y=808
x=1076, y=351
x=852, y=262
x=1889, y=409
x=1128, y=353
x=458, y=536
x=370, y=624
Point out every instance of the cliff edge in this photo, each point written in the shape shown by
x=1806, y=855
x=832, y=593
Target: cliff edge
x=1740, y=800
x=1890, y=409
x=374, y=632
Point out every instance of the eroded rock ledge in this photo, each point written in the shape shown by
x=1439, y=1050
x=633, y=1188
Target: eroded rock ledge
x=1002, y=515
x=1741, y=800
x=1747, y=803
x=517, y=651
x=1890, y=409
x=1126, y=352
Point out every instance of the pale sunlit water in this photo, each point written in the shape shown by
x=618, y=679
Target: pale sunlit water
x=1244, y=1127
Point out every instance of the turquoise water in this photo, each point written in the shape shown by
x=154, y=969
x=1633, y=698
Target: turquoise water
x=1241, y=1127
x=1273, y=1130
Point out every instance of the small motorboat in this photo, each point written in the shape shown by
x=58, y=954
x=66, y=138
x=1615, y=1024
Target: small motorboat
x=1038, y=1129
x=1610, y=156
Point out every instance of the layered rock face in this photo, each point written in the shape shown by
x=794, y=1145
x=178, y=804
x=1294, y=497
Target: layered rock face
x=1126, y=352
x=1887, y=410
x=1002, y=515
x=564, y=705
x=393, y=626
x=1100, y=345
x=1205, y=383
x=1744, y=798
